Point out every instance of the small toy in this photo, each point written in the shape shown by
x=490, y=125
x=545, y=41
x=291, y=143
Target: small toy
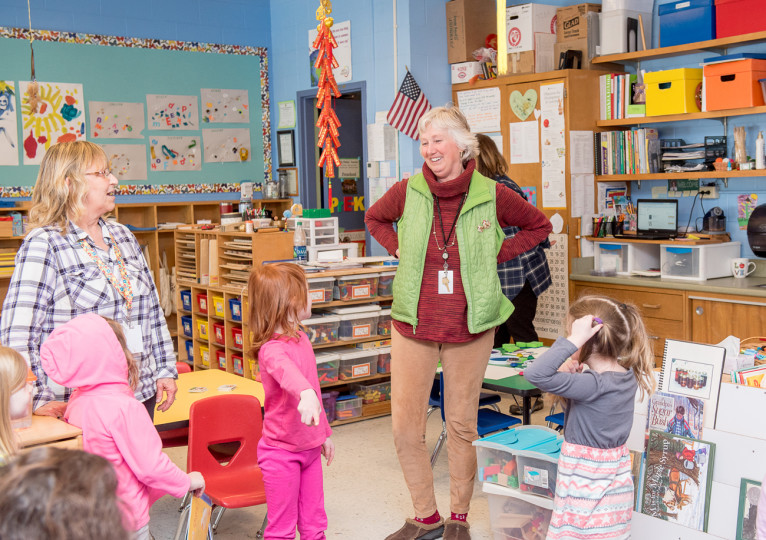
x=529, y=344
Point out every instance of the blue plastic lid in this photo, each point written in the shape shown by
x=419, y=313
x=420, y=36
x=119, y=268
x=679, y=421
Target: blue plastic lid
x=611, y=247
x=734, y=58
x=673, y=7
x=679, y=250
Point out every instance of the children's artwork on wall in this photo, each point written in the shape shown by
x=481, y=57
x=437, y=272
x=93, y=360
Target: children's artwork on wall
x=175, y=153
x=677, y=479
x=116, y=120
x=531, y=193
x=675, y=414
x=9, y=133
x=172, y=112
x=342, y=33
x=223, y=145
x=127, y=161
x=749, y=493
x=51, y=114
x=746, y=203
x=220, y=106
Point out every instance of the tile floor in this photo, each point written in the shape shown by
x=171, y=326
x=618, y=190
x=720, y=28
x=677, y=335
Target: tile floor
x=365, y=494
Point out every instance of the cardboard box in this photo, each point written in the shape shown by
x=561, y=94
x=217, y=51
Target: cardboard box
x=573, y=22
x=539, y=60
x=522, y=21
x=521, y=62
x=462, y=72
x=469, y=22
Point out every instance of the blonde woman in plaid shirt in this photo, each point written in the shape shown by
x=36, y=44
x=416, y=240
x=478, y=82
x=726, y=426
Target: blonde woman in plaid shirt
x=72, y=261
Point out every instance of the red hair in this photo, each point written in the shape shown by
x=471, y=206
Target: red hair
x=277, y=294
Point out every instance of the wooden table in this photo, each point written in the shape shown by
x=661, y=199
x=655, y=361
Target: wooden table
x=50, y=431
x=178, y=415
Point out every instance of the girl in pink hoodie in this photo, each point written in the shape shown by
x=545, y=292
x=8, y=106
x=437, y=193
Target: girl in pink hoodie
x=89, y=354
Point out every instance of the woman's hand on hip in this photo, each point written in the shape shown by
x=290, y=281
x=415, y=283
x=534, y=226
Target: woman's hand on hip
x=169, y=388
x=52, y=408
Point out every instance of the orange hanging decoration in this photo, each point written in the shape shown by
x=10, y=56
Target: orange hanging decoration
x=327, y=122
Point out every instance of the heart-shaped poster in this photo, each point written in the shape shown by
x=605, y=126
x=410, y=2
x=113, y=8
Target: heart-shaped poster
x=523, y=105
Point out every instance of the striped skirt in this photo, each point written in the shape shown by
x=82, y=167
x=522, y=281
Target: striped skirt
x=594, y=494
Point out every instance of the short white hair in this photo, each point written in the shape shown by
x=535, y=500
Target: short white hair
x=453, y=121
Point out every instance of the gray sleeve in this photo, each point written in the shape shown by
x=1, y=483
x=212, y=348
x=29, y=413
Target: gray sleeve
x=544, y=374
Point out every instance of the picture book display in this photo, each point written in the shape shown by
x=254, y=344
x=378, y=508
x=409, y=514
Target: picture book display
x=677, y=479
x=750, y=376
x=749, y=493
x=693, y=370
x=636, y=473
x=199, y=518
x=676, y=414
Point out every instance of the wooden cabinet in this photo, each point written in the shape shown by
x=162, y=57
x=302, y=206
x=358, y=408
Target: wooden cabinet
x=714, y=317
x=663, y=310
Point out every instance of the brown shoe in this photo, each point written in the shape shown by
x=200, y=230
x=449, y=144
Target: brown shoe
x=456, y=530
x=414, y=530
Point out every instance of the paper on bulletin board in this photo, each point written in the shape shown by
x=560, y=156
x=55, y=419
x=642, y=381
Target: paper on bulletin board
x=172, y=112
x=581, y=152
x=226, y=145
x=497, y=138
x=9, y=133
x=127, y=161
x=525, y=142
x=222, y=105
x=381, y=142
x=341, y=31
x=553, y=304
x=57, y=117
x=582, y=194
x=116, y=120
x=175, y=153
x=481, y=108
x=554, y=188
x=552, y=145
x=286, y=114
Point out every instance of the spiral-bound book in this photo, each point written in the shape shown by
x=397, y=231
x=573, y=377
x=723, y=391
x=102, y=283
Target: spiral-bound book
x=693, y=370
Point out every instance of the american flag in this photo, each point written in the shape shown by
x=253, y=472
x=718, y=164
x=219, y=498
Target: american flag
x=410, y=104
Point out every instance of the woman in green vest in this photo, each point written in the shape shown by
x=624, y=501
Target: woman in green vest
x=447, y=302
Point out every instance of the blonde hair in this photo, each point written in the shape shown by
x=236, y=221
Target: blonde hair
x=13, y=376
x=489, y=161
x=451, y=120
x=277, y=294
x=132, y=366
x=622, y=337
x=54, y=199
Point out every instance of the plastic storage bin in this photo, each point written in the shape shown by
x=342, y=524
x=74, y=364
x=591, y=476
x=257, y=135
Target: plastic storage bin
x=327, y=367
x=320, y=289
x=698, y=262
x=202, y=330
x=255, y=370
x=204, y=352
x=537, y=468
x=384, y=322
x=610, y=256
x=321, y=330
x=219, y=306
x=186, y=301
x=186, y=326
x=235, y=306
x=202, y=303
x=238, y=365
x=384, y=359
x=373, y=393
x=686, y=22
x=357, y=364
x=189, y=350
x=386, y=283
x=220, y=360
x=319, y=231
x=219, y=333
x=615, y=32
x=236, y=334
x=731, y=85
x=358, y=287
x=672, y=91
x=328, y=403
x=348, y=407
x=737, y=17
x=515, y=515
x=358, y=325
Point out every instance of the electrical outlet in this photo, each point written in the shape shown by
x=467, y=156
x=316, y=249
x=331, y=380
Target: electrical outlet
x=708, y=192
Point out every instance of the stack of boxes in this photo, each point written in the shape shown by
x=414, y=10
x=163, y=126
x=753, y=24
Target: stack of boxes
x=626, y=25
x=577, y=29
x=531, y=35
x=469, y=23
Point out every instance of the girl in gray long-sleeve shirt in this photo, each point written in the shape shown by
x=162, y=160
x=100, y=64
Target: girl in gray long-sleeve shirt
x=594, y=490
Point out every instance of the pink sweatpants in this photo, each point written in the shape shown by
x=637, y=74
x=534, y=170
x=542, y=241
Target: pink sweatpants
x=294, y=493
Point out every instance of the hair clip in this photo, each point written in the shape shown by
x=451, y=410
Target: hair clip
x=597, y=320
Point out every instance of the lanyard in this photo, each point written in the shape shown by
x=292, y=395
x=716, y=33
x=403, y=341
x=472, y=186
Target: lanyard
x=121, y=283
x=446, y=238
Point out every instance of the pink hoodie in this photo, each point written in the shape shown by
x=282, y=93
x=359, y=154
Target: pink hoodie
x=85, y=354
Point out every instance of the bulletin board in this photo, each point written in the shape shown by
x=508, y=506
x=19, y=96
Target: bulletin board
x=119, y=69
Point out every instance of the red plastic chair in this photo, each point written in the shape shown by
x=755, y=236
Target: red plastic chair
x=176, y=437
x=217, y=420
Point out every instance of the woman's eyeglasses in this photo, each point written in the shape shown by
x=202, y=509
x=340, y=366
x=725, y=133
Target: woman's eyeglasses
x=106, y=173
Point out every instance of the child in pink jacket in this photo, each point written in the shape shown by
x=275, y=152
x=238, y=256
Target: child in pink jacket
x=89, y=354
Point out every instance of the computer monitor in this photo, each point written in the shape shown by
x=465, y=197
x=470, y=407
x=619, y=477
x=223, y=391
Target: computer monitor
x=657, y=217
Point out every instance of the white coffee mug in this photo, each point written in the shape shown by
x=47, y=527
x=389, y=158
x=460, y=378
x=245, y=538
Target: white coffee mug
x=742, y=267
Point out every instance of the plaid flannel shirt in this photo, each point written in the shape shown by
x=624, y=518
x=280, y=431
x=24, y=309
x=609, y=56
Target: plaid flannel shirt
x=530, y=266
x=55, y=280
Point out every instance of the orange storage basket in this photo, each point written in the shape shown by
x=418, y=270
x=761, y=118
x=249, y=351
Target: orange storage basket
x=731, y=85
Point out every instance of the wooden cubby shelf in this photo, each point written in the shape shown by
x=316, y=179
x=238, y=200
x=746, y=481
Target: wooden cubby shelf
x=672, y=175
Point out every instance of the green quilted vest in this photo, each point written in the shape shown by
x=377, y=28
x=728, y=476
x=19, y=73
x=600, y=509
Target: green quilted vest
x=479, y=237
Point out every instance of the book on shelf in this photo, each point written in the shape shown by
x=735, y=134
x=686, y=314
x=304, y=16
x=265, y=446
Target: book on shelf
x=750, y=376
x=673, y=413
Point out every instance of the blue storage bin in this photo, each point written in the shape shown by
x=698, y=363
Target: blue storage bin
x=186, y=323
x=235, y=306
x=186, y=303
x=190, y=351
x=687, y=21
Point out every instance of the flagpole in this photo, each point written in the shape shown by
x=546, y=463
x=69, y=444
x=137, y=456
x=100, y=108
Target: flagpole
x=396, y=86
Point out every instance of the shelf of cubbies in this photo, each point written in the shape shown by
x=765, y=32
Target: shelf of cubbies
x=712, y=45
x=682, y=175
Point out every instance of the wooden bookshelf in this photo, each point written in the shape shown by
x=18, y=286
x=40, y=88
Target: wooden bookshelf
x=680, y=175
x=625, y=122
